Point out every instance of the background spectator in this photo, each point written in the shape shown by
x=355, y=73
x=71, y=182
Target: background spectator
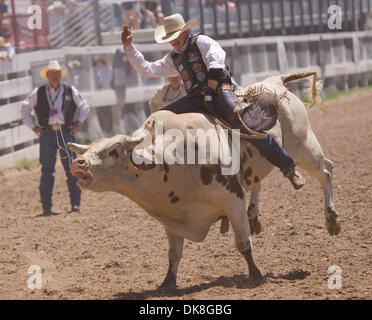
x=75, y=69
x=103, y=72
x=3, y=12
x=167, y=94
x=6, y=50
x=131, y=14
x=60, y=110
x=148, y=19
x=56, y=12
x=155, y=7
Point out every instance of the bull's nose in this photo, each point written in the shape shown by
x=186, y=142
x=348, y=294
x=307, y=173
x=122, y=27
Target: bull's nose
x=80, y=162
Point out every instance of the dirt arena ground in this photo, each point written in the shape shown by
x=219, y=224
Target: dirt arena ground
x=113, y=250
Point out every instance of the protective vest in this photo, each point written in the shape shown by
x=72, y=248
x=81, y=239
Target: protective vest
x=191, y=66
x=42, y=108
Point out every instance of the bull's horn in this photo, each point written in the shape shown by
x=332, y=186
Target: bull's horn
x=77, y=148
x=131, y=142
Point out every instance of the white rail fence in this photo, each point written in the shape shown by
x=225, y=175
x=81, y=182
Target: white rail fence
x=342, y=60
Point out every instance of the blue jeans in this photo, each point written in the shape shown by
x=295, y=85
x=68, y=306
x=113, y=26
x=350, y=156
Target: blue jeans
x=269, y=148
x=48, y=152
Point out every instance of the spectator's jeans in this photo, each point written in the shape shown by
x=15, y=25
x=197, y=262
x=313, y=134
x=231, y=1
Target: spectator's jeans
x=48, y=152
x=268, y=147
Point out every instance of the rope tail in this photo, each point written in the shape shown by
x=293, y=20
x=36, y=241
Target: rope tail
x=315, y=97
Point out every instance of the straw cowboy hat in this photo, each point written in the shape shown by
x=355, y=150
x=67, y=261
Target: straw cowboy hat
x=53, y=65
x=172, y=27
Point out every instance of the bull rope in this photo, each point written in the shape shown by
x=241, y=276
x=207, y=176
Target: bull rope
x=255, y=135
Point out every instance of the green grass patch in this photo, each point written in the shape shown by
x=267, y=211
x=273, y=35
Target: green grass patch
x=334, y=95
x=338, y=94
x=27, y=164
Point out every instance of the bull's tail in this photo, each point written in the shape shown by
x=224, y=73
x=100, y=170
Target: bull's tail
x=315, y=87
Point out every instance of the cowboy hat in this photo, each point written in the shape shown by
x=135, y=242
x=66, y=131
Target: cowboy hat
x=53, y=65
x=172, y=27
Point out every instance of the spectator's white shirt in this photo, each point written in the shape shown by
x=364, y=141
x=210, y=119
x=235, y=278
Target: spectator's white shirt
x=57, y=96
x=212, y=53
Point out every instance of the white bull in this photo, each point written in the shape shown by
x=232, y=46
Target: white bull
x=188, y=199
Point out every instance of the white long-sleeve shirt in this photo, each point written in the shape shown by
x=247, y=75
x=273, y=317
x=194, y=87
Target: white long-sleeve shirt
x=212, y=53
x=57, y=96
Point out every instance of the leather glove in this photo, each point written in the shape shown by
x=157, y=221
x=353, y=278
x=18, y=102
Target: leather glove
x=210, y=99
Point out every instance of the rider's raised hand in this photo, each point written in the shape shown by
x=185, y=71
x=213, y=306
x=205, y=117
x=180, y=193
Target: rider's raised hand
x=126, y=36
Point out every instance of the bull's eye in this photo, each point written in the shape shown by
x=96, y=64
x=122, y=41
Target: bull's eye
x=114, y=153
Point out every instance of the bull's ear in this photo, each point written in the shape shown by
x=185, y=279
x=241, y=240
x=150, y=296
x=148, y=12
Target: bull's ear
x=77, y=148
x=130, y=142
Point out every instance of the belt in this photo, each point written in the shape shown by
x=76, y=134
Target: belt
x=55, y=127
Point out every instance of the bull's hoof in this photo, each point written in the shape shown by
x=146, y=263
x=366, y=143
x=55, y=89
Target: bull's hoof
x=167, y=286
x=256, y=277
x=333, y=227
x=255, y=226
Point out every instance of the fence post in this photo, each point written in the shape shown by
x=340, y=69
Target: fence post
x=311, y=16
x=322, y=57
x=240, y=31
x=201, y=16
x=320, y=16
x=227, y=18
x=236, y=61
x=14, y=26
x=345, y=15
x=272, y=17
x=293, y=25
x=282, y=15
x=97, y=22
x=250, y=17
x=262, y=19
x=354, y=21
x=215, y=18
x=186, y=12
x=302, y=17
x=282, y=55
x=356, y=50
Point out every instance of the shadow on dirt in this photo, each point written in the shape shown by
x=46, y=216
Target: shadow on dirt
x=47, y=215
x=296, y=274
x=237, y=281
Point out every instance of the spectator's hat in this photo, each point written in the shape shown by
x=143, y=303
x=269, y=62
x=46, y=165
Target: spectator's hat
x=3, y=42
x=74, y=64
x=53, y=65
x=172, y=27
x=57, y=6
x=100, y=58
